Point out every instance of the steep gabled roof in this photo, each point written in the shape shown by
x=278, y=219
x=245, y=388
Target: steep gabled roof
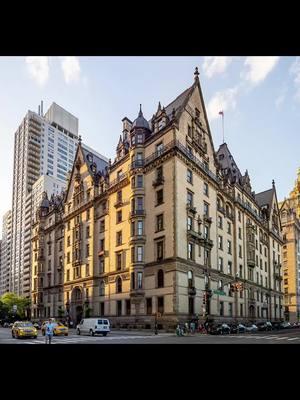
x=265, y=198
x=91, y=157
x=226, y=161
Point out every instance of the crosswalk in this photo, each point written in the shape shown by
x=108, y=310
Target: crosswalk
x=87, y=339
x=267, y=337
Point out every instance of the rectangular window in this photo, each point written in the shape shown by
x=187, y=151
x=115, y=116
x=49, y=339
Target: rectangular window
x=240, y=233
x=87, y=270
x=159, y=196
x=190, y=251
x=241, y=309
x=140, y=228
x=206, y=209
x=220, y=242
x=240, y=251
x=119, y=216
x=101, y=265
x=68, y=241
x=220, y=222
x=87, y=231
x=229, y=228
x=230, y=309
x=160, y=305
x=160, y=250
x=239, y=216
x=189, y=176
x=241, y=271
x=68, y=274
x=189, y=223
x=205, y=189
x=221, y=308
x=87, y=214
x=159, y=148
x=119, y=261
x=60, y=246
x=102, y=226
x=140, y=203
x=159, y=222
x=206, y=232
x=119, y=196
x=102, y=244
x=220, y=264
x=229, y=246
x=87, y=250
x=139, y=181
x=159, y=173
x=190, y=133
x=140, y=253
x=139, y=280
x=190, y=199
x=119, y=238
x=68, y=257
x=229, y=267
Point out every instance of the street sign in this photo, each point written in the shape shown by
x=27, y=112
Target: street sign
x=220, y=292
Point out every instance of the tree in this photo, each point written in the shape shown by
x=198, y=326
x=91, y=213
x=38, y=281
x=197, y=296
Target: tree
x=11, y=299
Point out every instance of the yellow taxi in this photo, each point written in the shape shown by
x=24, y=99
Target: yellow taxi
x=59, y=329
x=22, y=329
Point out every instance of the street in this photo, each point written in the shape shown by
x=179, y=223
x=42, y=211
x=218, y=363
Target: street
x=289, y=336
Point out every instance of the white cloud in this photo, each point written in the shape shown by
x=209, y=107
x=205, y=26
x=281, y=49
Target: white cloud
x=38, y=68
x=222, y=101
x=258, y=68
x=71, y=69
x=295, y=70
x=215, y=65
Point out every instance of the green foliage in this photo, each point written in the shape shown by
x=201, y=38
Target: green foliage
x=8, y=300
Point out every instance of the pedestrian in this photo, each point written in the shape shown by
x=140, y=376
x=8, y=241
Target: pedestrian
x=49, y=331
x=192, y=325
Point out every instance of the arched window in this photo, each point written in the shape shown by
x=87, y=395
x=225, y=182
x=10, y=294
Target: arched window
x=160, y=278
x=190, y=278
x=102, y=288
x=119, y=285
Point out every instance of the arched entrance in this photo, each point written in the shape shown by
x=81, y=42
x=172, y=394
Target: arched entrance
x=76, y=309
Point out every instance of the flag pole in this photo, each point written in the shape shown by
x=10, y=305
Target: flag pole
x=223, y=124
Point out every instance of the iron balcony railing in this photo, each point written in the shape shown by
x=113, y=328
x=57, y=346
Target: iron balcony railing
x=136, y=213
x=137, y=164
x=179, y=146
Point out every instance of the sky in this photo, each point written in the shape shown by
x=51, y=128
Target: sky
x=260, y=98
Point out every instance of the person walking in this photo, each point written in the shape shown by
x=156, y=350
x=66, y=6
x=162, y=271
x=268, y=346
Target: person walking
x=49, y=328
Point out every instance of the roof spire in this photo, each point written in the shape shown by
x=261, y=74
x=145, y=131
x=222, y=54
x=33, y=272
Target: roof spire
x=141, y=112
x=273, y=182
x=79, y=140
x=196, y=74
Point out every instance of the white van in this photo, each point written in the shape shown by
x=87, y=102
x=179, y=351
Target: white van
x=90, y=326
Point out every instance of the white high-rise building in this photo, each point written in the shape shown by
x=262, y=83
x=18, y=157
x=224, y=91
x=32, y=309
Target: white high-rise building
x=44, y=145
x=6, y=253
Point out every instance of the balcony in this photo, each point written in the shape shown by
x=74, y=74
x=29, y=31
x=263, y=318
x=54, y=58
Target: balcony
x=251, y=262
x=118, y=203
x=207, y=219
x=194, y=235
x=158, y=181
x=119, y=179
x=191, y=208
x=137, y=238
x=137, y=164
x=207, y=242
x=137, y=213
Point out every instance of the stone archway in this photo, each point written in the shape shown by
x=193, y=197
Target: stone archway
x=76, y=308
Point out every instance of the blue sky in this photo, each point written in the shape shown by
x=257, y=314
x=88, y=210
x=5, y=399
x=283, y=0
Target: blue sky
x=260, y=97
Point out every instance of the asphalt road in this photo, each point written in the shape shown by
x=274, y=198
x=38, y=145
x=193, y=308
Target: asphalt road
x=288, y=336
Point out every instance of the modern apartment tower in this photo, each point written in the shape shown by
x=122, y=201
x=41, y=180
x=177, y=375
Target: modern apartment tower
x=44, y=145
x=6, y=253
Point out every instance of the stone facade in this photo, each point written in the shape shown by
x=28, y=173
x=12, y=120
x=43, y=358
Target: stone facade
x=170, y=230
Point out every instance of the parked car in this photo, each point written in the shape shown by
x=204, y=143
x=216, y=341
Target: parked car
x=285, y=325
x=220, y=329
x=276, y=325
x=239, y=328
x=92, y=326
x=59, y=329
x=23, y=329
x=251, y=328
x=264, y=326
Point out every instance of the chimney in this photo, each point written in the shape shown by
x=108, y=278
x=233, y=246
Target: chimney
x=42, y=114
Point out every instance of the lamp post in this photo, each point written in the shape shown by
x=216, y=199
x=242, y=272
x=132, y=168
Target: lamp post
x=208, y=294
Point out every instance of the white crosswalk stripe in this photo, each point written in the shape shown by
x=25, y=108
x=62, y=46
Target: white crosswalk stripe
x=295, y=338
